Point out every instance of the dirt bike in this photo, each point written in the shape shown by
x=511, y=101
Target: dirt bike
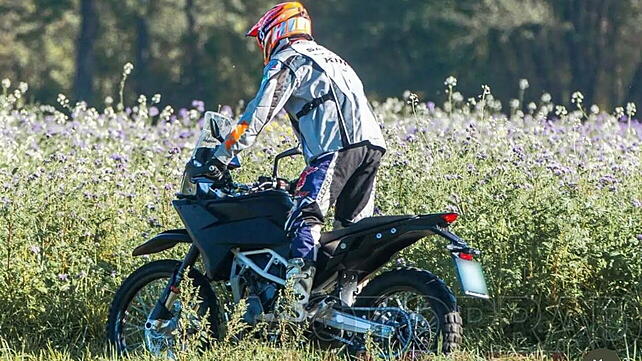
x=237, y=233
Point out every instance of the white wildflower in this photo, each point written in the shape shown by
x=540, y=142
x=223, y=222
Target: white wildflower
x=560, y=111
x=80, y=106
x=17, y=94
x=167, y=112
x=23, y=87
x=630, y=109
x=546, y=98
x=109, y=100
x=92, y=113
x=142, y=99
x=514, y=103
x=577, y=98
x=485, y=90
x=156, y=99
x=451, y=81
x=62, y=100
x=495, y=104
x=413, y=99
x=6, y=83
x=127, y=69
x=458, y=97
x=619, y=112
x=532, y=106
x=595, y=109
x=523, y=84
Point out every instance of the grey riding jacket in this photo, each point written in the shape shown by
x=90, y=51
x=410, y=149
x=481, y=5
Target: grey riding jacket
x=324, y=99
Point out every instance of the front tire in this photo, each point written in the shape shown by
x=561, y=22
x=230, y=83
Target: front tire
x=131, y=302
x=431, y=304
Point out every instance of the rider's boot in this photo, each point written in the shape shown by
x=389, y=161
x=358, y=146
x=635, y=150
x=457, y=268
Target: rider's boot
x=300, y=276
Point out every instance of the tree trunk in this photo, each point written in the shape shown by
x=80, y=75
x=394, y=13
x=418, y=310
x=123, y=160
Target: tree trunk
x=83, y=82
x=191, y=41
x=634, y=93
x=142, y=53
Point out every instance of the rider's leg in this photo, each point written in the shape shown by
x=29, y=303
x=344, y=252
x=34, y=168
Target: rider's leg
x=313, y=199
x=356, y=200
x=317, y=190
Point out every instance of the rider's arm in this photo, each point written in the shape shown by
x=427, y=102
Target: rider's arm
x=278, y=83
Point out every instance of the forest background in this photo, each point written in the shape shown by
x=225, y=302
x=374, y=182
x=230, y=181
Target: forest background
x=196, y=49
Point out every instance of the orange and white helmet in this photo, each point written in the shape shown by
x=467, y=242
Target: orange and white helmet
x=282, y=21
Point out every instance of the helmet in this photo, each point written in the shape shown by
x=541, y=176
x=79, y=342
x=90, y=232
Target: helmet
x=282, y=21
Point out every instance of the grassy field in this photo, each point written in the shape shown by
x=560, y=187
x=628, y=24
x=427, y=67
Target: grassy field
x=553, y=196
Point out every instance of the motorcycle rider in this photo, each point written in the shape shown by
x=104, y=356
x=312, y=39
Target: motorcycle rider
x=341, y=140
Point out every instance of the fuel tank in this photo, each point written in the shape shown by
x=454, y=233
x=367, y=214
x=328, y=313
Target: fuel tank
x=248, y=222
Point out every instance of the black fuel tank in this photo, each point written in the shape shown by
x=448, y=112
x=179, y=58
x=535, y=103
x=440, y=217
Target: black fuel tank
x=247, y=222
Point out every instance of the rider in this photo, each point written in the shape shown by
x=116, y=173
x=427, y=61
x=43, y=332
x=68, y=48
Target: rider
x=341, y=140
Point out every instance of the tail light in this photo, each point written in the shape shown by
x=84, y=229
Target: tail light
x=466, y=256
x=449, y=217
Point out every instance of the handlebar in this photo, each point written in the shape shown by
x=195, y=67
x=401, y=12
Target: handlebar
x=206, y=187
x=288, y=153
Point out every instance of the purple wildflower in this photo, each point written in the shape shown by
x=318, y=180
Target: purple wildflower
x=227, y=111
x=430, y=106
x=185, y=134
x=198, y=105
x=34, y=249
x=118, y=158
x=153, y=111
x=63, y=277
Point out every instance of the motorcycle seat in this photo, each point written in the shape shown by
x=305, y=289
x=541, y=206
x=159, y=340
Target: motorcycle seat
x=362, y=225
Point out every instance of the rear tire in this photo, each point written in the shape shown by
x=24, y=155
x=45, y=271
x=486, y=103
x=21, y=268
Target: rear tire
x=160, y=272
x=438, y=299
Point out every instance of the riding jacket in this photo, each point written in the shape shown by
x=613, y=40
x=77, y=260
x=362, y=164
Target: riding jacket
x=324, y=99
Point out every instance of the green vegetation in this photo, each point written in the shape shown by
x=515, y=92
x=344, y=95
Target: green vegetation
x=551, y=195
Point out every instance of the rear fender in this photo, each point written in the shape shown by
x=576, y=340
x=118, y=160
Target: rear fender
x=366, y=251
x=162, y=242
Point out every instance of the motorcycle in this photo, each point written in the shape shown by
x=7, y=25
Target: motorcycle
x=236, y=232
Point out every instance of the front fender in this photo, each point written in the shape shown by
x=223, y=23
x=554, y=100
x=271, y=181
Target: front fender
x=163, y=241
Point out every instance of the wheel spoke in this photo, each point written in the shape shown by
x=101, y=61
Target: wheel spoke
x=423, y=321
x=139, y=310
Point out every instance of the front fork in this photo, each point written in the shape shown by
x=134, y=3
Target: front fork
x=161, y=311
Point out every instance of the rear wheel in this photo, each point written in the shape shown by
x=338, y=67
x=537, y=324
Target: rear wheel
x=136, y=298
x=434, y=316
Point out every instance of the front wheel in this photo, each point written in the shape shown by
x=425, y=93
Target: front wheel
x=136, y=298
x=431, y=306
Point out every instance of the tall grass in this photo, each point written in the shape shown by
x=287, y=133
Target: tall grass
x=553, y=200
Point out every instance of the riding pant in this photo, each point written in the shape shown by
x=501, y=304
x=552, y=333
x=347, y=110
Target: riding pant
x=345, y=177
